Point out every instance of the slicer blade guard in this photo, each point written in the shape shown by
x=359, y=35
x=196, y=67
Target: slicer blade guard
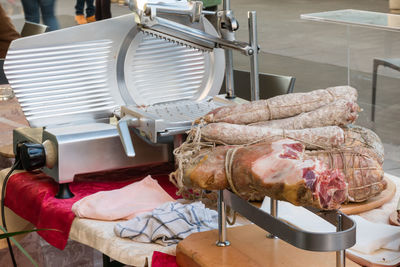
x=83, y=74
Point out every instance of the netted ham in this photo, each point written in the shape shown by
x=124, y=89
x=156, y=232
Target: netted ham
x=282, y=106
x=276, y=169
x=364, y=142
x=362, y=172
x=341, y=113
x=235, y=134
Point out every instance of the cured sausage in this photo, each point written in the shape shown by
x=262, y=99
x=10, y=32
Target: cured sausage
x=235, y=134
x=282, y=106
x=341, y=113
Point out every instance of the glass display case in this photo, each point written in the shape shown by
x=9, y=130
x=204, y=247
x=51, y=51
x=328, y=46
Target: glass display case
x=373, y=67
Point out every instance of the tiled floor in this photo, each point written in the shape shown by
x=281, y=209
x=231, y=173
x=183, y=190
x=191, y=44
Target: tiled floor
x=313, y=52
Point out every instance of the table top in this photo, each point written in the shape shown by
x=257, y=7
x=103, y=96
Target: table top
x=357, y=18
x=11, y=117
x=100, y=234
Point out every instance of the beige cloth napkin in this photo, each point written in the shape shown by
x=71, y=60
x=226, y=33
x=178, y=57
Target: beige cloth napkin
x=123, y=203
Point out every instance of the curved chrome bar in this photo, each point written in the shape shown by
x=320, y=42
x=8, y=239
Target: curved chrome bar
x=333, y=241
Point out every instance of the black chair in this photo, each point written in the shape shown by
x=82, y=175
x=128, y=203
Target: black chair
x=270, y=85
x=393, y=63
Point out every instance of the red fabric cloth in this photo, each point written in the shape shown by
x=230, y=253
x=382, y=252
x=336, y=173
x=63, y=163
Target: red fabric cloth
x=160, y=259
x=31, y=196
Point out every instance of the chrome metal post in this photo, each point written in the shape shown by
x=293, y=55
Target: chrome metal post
x=341, y=254
x=255, y=87
x=229, y=81
x=228, y=34
x=222, y=242
x=274, y=213
x=226, y=5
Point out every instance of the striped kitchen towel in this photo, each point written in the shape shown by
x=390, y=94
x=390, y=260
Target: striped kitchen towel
x=169, y=223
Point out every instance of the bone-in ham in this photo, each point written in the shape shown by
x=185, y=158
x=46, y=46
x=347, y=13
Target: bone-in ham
x=277, y=170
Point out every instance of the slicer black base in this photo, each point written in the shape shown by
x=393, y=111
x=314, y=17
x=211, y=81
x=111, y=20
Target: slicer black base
x=64, y=192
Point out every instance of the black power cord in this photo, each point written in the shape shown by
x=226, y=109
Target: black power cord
x=29, y=156
x=3, y=219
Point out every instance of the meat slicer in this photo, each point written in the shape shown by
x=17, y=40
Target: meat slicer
x=157, y=69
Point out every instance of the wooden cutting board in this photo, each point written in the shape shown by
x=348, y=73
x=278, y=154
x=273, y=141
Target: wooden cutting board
x=380, y=258
x=249, y=247
x=372, y=203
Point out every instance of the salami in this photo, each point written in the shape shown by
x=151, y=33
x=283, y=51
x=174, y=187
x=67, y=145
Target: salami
x=282, y=106
x=234, y=134
x=341, y=113
x=276, y=169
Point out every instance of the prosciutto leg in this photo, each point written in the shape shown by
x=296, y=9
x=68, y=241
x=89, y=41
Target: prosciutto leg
x=275, y=169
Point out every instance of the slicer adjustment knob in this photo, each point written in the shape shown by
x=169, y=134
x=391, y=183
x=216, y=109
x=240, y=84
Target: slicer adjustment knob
x=35, y=156
x=32, y=156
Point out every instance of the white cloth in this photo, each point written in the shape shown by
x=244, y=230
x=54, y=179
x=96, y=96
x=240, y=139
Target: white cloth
x=299, y=216
x=373, y=236
x=387, y=255
x=169, y=223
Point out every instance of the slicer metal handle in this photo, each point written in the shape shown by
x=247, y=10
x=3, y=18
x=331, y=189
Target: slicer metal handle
x=151, y=8
x=125, y=135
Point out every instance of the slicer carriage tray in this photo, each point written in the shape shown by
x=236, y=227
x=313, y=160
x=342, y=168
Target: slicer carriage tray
x=169, y=118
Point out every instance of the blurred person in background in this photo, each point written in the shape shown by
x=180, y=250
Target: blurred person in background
x=7, y=32
x=103, y=9
x=90, y=10
x=33, y=8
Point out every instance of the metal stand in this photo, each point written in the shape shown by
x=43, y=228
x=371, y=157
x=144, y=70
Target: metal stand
x=339, y=241
x=228, y=25
x=254, y=81
x=222, y=242
x=274, y=213
x=107, y=262
x=341, y=254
